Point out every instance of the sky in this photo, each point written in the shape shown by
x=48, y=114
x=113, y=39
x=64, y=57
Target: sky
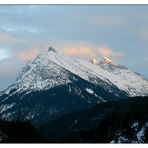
x=81, y=31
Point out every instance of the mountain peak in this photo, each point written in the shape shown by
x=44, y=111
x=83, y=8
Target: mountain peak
x=94, y=61
x=50, y=48
x=105, y=60
x=42, y=73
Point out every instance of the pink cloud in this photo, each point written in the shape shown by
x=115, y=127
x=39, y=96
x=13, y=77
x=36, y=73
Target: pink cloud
x=106, y=51
x=27, y=55
x=79, y=51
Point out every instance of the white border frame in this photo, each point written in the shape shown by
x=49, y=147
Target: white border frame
x=65, y=2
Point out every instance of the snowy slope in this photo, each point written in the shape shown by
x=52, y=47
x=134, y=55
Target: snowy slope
x=38, y=74
x=110, y=72
x=49, y=69
x=126, y=80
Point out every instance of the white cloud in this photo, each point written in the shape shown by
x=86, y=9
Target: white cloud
x=4, y=54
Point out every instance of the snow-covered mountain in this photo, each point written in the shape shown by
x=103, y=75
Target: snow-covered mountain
x=132, y=83
x=54, y=83
x=35, y=76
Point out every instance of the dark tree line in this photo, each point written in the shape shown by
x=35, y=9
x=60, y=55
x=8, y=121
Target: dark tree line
x=119, y=119
x=19, y=132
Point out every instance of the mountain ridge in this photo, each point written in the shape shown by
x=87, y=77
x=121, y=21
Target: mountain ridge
x=53, y=84
x=132, y=83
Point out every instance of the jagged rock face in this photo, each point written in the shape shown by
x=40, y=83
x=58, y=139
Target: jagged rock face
x=39, y=75
x=94, y=61
x=106, y=60
x=51, y=49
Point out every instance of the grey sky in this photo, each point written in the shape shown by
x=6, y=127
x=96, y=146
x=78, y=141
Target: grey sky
x=26, y=30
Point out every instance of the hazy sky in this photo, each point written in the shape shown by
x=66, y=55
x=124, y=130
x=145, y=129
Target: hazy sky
x=119, y=32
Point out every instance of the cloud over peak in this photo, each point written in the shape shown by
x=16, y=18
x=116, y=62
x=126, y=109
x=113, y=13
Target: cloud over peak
x=27, y=55
x=90, y=51
x=106, y=51
x=82, y=51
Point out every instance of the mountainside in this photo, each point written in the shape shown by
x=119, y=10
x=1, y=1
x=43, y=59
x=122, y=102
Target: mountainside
x=132, y=83
x=53, y=84
x=42, y=106
x=45, y=90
